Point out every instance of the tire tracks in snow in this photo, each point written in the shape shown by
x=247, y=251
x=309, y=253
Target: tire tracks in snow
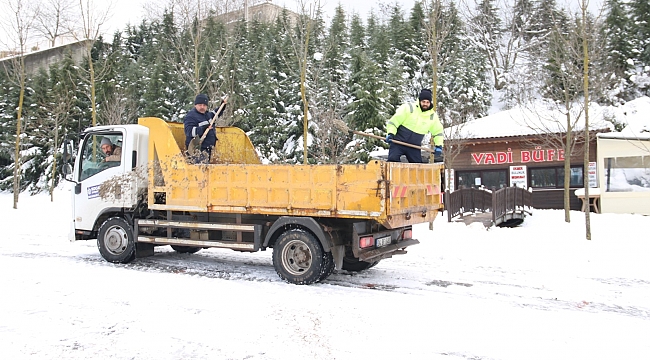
x=228, y=267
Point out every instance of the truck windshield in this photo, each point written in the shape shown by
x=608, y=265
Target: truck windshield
x=100, y=152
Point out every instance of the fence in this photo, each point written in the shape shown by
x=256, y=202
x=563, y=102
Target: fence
x=508, y=205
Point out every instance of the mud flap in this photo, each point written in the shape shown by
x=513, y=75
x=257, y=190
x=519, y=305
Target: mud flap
x=143, y=250
x=338, y=252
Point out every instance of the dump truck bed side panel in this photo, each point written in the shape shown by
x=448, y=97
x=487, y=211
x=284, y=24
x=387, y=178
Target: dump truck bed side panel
x=393, y=194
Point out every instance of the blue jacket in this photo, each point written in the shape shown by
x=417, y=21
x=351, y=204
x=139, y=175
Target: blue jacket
x=195, y=124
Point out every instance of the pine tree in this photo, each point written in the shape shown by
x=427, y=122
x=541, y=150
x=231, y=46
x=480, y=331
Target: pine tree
x=365, y=112
x=379, y=48
x=641, y=24
x=357, y=32
x=619, y=64
x=417, y=60
x=486, y=33
x=463, y=91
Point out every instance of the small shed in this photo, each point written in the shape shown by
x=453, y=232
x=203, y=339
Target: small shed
x=624, y=163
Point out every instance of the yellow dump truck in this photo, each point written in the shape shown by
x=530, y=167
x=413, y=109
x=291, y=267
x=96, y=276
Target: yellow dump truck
x=316, y=218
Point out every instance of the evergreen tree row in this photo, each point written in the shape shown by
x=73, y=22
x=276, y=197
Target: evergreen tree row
x=357, y=72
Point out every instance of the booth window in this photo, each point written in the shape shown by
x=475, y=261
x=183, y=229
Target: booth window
x=554, y=177
x=627, y=174
x=490, y=179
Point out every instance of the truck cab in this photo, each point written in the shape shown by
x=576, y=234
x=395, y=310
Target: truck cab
x=92, y=170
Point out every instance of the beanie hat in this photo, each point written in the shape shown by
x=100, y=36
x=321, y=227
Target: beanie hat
x=201, y=99
x=106, y=141
x=425, y=94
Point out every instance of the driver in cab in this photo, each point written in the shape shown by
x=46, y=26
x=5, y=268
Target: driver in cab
x=112, y=152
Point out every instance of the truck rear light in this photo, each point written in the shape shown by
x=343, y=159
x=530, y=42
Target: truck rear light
x=407, y=234
x=366, y=241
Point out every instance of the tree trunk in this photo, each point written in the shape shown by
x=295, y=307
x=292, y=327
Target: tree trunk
x=93, y=105
x=585, y=78
x=434, y=84
x=54, y=150
x=303, y=92
x=17, y=162
x=567, y=159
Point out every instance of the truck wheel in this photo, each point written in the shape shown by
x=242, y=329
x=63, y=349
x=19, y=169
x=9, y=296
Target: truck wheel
x=328, y=266
x=356, y=265
x=115, y=241
x=185, y=249
x=298, y=257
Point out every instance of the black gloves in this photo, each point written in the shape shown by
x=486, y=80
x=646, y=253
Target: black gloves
x=218, y=114
x=437, y=154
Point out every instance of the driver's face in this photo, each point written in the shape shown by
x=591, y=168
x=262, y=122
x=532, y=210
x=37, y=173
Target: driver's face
x=107, y=149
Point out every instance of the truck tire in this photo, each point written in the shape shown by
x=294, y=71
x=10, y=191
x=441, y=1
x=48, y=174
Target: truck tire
x=115, y=241
x=298, y=257
x=185, y=249
x=356, y=265
x=328, y=266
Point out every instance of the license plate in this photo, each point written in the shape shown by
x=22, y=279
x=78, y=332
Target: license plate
x=383, y=241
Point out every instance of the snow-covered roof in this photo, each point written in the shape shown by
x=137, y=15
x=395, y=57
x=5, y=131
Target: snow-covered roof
x=635, y=115
x=534, y=120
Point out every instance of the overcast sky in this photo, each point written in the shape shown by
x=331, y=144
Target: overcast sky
x=131, y=11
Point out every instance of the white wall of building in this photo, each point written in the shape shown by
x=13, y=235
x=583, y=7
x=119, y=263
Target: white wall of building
x=624, y=174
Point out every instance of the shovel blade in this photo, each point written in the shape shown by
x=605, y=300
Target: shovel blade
x=194, y=147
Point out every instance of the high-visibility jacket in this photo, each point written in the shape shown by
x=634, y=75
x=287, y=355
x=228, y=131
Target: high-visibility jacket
x=410, y=124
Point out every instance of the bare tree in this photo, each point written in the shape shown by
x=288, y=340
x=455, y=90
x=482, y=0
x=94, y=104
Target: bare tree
x=438, y=30
x=585, y=76
x=54, y=20
x=92, y=18
x=504, y=41
x=63, y=100
x=300, y=46
x=562, y=83
x=18, y=25
x=564, y=86
x=192, y=45
x=117, y=108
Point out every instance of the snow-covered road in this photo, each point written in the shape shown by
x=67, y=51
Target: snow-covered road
x=539, y=291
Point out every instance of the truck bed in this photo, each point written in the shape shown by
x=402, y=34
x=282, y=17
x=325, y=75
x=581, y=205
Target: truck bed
x=393, y=194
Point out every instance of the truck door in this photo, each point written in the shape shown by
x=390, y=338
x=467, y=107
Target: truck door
x=102, y=158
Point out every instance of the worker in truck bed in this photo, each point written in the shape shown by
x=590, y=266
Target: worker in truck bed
x=409, y=124
x=197, y=121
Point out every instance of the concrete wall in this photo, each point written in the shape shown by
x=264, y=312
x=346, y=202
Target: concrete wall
x=265, y=13
x=45, y=58
x=622, y=202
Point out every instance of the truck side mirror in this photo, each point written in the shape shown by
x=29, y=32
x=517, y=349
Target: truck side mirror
x=67, y=152
x=67, y=169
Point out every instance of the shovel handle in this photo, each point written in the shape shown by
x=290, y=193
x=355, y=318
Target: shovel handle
x=205, y=133
x=395, y=141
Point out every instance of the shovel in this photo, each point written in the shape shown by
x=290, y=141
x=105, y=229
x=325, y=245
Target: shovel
x=395, y=141
x=194, y=147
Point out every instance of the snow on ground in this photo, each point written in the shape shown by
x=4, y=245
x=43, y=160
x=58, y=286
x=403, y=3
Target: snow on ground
x=539, y=291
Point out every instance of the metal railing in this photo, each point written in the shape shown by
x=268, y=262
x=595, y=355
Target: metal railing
x=505, y=204
x=511, y=203
x=470, y=200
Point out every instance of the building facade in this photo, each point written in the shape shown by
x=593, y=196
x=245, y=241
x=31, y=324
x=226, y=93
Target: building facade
x=525, y=161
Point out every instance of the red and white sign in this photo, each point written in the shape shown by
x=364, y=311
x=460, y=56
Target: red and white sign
x=593, y=174
x=518, y=176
